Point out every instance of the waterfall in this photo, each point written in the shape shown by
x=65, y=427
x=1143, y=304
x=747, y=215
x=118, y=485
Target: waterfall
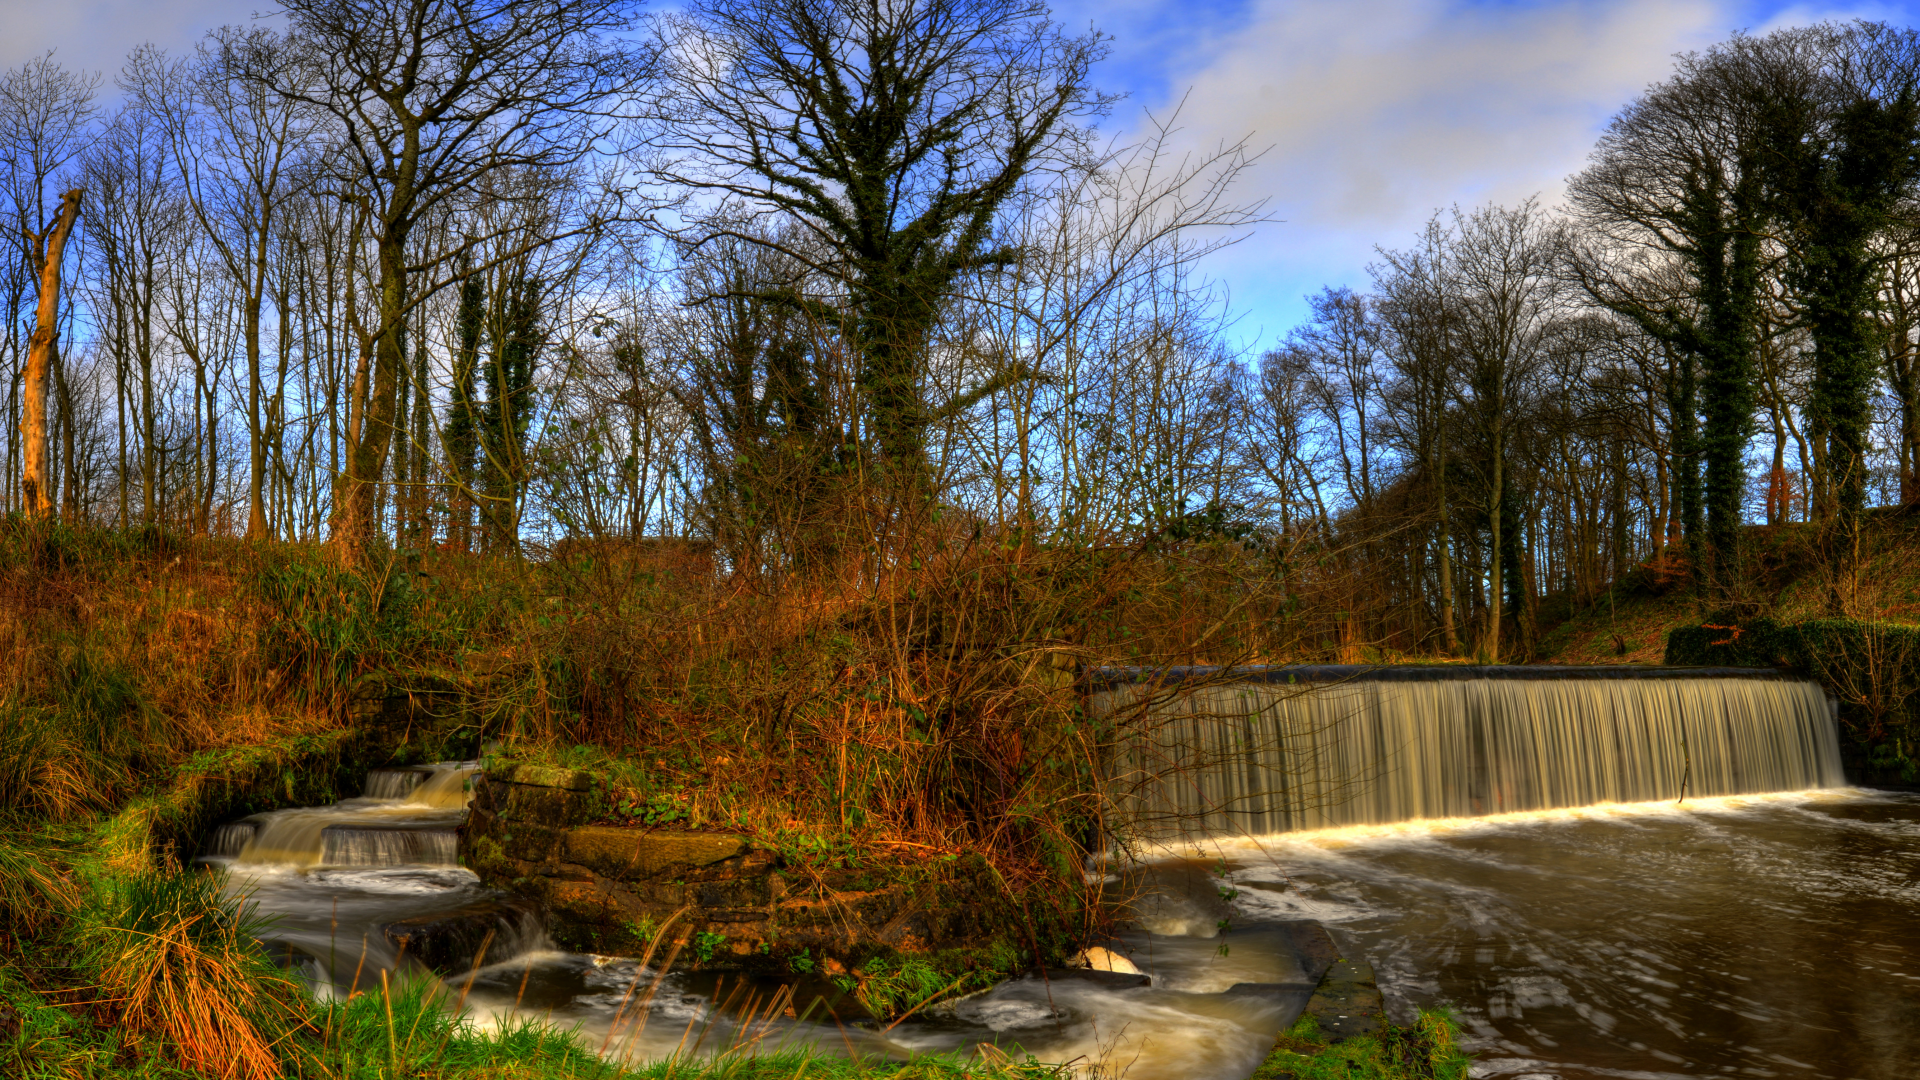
x=408, y=817
x=393, y=784
x=447, y=788
x=230, y=839
x=1278, y=749
x=347, y=845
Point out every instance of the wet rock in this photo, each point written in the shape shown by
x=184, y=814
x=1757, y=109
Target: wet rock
x=449, y=942
x=1313, y=945
x=1099, y=959
x=1107, y=980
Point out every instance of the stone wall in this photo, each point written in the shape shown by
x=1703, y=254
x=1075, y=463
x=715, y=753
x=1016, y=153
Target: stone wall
x=609, y=888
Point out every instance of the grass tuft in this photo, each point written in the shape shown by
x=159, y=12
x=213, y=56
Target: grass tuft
x=177, y=963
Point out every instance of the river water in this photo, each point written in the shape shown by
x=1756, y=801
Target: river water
x=1766, y=936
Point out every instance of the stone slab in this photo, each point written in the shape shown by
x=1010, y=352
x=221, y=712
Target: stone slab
x=1313, y=945
x=1348, y=1003
x=636, y=854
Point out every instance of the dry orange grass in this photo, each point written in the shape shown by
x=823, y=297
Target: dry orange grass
x=178, y=965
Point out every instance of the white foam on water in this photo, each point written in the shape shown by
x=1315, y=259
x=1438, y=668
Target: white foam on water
x=1420, y=831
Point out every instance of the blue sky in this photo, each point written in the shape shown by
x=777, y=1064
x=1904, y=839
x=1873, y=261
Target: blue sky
x=1372, y=113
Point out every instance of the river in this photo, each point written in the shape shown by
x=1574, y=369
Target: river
x=1768, y=936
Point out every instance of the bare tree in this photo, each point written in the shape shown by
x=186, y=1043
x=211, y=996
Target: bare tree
x=237, y=146
x=1504, y=263
x=893, y=136
x=1419, y=318
x=426, y=99
x=45, y=112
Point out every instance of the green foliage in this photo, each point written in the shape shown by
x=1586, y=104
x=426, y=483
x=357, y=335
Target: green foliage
x=651, y=809
x=707, y=944
x=1871, y=666
x=1426, y=1051
x=331, y=622
x=891, y=984
x=35, y=890
x=412, y=1032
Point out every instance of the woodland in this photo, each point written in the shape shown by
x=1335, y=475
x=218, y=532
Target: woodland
x=787, y=406
x=482, y=279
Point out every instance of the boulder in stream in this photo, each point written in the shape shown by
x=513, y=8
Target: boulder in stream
x=449, y=942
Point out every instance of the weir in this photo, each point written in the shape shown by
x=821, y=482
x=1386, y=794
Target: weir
x=1267, y=750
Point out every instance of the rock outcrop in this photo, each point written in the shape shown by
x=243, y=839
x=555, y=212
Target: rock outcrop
x=541, y=833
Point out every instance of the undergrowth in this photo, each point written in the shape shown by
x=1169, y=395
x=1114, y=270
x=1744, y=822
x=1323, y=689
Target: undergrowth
x=156, y=975
x=922, y=712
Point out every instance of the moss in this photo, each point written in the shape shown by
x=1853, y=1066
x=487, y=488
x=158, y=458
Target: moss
x=1428, y=1050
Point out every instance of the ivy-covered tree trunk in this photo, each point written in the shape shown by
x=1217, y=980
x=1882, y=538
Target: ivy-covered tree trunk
x=1838, y=175
x=1683, y=408
x=507, y=413
x=1727, y=263
x=462, y=430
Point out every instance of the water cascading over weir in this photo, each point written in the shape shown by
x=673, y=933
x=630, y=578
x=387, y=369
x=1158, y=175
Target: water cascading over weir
x=1210, y=753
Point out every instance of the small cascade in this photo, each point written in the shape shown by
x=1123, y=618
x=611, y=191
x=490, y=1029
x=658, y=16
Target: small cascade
x=448, y=787
x=228, y=840
x=290, y=837
x=449, y=941
x=1350, y=746
x=394, y=785
x=407, y=817
x=355, y=845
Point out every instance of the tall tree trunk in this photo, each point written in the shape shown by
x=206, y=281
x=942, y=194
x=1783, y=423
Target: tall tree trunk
x=1449, y=636
x=1496, y=509
x=68, y=476
x=257, y=527
x=357, y=509
x=1622, y=553
x=42, y=354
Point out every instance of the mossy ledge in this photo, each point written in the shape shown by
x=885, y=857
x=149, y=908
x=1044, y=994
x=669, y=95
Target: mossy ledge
x=1344, y=1034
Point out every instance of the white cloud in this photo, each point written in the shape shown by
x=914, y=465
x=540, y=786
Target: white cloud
x=1378, y=112
x=97, y=35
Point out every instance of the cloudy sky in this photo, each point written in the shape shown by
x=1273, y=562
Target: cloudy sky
x=1372, y=113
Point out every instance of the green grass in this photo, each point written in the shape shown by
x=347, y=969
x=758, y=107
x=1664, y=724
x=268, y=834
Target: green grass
x=412, y=1035
x=1426, y=1051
